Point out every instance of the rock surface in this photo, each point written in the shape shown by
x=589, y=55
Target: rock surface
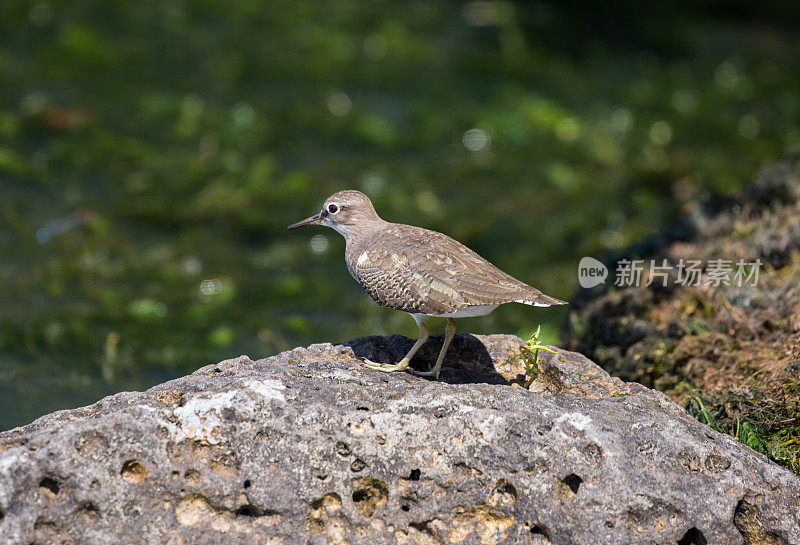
x=308, y=446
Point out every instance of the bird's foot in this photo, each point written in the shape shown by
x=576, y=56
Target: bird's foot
x=386, y=367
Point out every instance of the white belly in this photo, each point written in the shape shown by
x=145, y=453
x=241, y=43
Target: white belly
x=468, y=312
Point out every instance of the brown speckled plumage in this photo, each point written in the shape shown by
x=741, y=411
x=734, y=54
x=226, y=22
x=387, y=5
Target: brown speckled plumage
x=421, y=271
x=418, y=271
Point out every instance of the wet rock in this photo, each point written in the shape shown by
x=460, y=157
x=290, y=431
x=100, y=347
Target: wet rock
x=308, y=446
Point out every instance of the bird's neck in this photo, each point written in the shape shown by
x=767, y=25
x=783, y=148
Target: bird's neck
x=358, y=236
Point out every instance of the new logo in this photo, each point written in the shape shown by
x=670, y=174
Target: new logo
x=591, y=272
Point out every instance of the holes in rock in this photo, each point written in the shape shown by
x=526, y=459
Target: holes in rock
x=414, y=475
x=504, y=493
x=2, y=515
x=88, y=513
x=249, y=510
x=428, y=534
x=405, y=508
x=330, y=502
x=322, y=510
x=194, y=509
x=462, y=471
x=361, y=496
x=369, y=495
x=592, y=453
x=357, y=465
x=193, y=476
x=342, y=448
x=693, y=536
x=748, y=519
x=543, y=429
x=247, y=483
x=44, y=531
x=133, y=472
x=540, y=530
x=48, y=486
x=362, y=408
x=573, y=482
x=717, y=463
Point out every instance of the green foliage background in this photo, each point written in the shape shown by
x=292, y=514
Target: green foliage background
x=152, y=153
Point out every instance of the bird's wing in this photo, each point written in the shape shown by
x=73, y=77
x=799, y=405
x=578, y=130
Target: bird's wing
x=438, y=273
x=390, y=280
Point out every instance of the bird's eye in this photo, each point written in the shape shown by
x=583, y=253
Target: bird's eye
x=332, y=208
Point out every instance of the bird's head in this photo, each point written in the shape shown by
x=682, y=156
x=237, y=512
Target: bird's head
x=345, y=211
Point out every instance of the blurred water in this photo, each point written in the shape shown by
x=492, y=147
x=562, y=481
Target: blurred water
x=151, y=156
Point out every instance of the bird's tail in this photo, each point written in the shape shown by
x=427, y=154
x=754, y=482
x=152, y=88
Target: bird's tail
x=535, y=298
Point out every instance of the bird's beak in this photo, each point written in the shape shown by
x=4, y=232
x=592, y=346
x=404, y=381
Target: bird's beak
x=313, y=220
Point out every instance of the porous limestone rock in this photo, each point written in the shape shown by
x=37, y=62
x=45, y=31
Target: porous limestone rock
x=308, y=446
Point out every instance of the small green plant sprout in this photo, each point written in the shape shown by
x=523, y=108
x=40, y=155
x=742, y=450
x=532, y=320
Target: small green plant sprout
x=698, y=409
x=530, y=357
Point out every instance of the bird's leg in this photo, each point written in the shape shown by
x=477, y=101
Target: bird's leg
x=403, y=364
x=449, y=333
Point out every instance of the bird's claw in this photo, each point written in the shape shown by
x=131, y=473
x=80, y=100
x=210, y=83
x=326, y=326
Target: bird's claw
x=385, y=367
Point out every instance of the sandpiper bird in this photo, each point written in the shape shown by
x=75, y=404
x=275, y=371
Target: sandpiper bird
x=418, y=271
